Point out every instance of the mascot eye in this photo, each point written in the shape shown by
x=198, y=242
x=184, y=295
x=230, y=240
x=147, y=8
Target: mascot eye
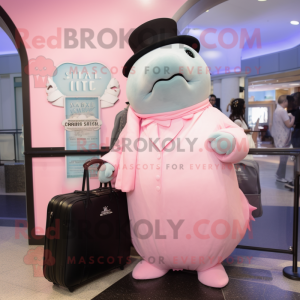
x=190, y=53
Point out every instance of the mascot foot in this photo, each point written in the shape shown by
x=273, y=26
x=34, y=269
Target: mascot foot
x=215, y=277
x=144, y=270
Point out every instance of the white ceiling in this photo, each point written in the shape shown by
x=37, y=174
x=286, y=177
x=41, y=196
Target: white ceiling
x=272, y=17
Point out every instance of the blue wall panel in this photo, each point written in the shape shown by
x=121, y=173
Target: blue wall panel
x=4, y=65
x=10, y=64
x=15, y=64
x=250, y=64
x=288, y=59
x=269, y=63
x=274, y=62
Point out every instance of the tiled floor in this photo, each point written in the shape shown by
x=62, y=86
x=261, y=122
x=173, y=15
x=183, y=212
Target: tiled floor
x=253, y=274
x=17, y=280
x=260, y=279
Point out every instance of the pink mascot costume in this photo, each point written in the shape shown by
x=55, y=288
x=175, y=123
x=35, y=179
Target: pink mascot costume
x=174, y=159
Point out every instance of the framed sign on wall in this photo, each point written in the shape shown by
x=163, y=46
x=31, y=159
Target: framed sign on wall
x=82, y=132
x=82, y=90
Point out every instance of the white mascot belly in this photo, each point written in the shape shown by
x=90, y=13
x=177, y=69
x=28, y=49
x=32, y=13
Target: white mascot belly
x=175, y=157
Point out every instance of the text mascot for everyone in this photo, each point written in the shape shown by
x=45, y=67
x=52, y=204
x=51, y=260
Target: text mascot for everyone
x=174, y=159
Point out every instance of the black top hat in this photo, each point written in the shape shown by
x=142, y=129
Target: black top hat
x=154, y=34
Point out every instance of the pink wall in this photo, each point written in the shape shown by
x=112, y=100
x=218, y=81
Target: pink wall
x=42, y=18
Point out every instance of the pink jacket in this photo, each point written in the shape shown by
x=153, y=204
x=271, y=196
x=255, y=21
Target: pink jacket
x=189, y=185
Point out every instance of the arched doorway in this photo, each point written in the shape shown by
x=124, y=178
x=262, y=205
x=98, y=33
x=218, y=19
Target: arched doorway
x=10, y=29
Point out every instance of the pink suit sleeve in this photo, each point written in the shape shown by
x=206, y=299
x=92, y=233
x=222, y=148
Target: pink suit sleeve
x=241, y=148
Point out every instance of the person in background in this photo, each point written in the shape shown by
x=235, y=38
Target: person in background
x=213, y=100
x=294, y=109
x=238, y=117
x=281, y=133
x=120, y=122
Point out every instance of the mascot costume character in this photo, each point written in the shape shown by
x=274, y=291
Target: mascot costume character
x=174, y=159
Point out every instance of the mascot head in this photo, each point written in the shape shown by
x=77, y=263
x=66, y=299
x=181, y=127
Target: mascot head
x=166, y=72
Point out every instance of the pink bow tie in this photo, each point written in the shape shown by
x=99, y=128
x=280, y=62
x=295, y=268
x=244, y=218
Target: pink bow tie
x=165, y=123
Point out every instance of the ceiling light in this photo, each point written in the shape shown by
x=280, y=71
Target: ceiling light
x=294, y=22
x=262, y=0
x=207, y=10
x=294, y=84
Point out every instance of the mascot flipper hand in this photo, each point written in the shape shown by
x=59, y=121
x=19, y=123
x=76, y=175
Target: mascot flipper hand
x=175, y=160
x=222, y=142
x=105, y=173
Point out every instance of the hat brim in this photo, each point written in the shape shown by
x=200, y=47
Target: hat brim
x=181, y=39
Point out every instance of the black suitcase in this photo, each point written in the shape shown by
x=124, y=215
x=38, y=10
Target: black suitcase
x=92, y=233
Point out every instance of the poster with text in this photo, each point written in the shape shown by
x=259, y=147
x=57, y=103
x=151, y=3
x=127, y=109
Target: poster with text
x=82, y=127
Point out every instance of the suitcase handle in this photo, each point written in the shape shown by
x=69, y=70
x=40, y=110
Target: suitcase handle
x=87, y=164
x=86, y=176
